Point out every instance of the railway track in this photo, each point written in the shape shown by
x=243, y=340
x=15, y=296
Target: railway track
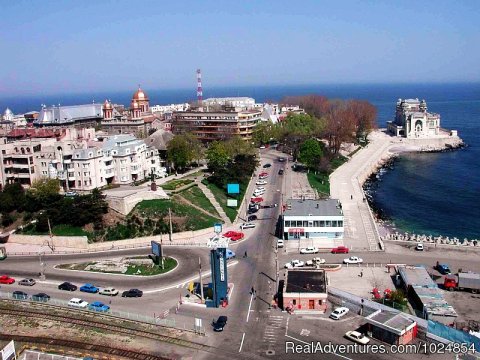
x=114, y=327
x=111, y=352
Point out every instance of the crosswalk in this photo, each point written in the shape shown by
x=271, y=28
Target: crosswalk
x=274, y=330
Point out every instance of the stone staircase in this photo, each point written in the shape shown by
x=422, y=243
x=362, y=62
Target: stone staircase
x=214, y=201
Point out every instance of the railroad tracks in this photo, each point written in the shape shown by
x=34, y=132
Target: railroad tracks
x=115, y=327
x=111, y=352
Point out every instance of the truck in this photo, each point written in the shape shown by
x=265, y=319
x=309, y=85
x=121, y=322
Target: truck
x=463, y=281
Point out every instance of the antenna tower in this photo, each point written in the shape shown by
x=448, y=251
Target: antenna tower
x=199, y=87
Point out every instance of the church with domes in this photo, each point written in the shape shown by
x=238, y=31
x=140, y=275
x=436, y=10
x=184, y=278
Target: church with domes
x=137, y=119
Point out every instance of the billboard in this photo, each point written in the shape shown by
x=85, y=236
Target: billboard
x=232, y=202
x=157, y=249
x=233, y=188
x=8, y=352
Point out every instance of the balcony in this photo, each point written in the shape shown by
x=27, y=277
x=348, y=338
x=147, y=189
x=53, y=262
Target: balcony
x=135, y=170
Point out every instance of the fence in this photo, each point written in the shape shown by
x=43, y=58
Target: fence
x=447, y=332
x=113, y=313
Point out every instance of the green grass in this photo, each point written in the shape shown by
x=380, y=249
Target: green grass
x=315, y=181
x=197, y=197
x=221, y=196
x=59, y=230
x=175, y=184
x=149, y=270
x=195, y=219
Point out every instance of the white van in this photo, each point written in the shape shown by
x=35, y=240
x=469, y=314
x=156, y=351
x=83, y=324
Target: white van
x=258, y=192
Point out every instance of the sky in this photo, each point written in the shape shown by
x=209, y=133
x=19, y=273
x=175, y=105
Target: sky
x=52, y=47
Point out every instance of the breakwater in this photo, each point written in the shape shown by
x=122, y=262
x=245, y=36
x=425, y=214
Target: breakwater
x=438, y=240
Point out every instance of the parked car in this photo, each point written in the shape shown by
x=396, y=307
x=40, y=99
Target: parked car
x=280, y=243
x=443, y=269
x=258, y=193
x=281, y=159
x=89, y=288
x=340, y=250
x=132, y=293
x=27, y=282
x=247, y=226
x=67, y=286
x=252, y=211
x=71, y=194
x=264, y=173
x=229, y=234
x=263, y=177
x=419, y=247
x=309, y=250
x=78, y=303
x=261, y=182
x=252, y=218
x=260, y=188
x=353, y=260
x=253, y=206
x=268, y=206
x=5, y=279
x=294, y=264
x=339, y=313
x=20, y=295
x=267, y=165
x=281, y=171
x=219, y=325
x=41, y=297
x=315, y=261
x=357, y=337
x=237, y=236
x=262, y=146
x=109, y=291
x=256, y=199
x=98, y=306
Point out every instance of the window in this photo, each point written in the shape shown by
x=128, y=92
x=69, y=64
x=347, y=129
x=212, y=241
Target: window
x=294, y=301
x=328, y=223
x=319, y=302
x=305, y=223
x=316, y=223
x=322, y=223
x=334, y=223
x=79, y=183
x=44, y=173
x=340, y=223
x=287, y=223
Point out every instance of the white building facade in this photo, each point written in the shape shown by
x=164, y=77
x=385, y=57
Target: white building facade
x=313, y=219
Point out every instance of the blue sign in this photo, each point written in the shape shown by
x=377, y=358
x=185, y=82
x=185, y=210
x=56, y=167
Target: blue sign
x=233, y=188
x=218, y=264
x=157, y=249
x=217, y=228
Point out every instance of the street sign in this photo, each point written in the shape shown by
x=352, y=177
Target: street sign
x=157, y=249
x=217, y=228
x=232, y=202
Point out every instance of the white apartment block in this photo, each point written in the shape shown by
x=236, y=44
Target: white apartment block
x=169, y=108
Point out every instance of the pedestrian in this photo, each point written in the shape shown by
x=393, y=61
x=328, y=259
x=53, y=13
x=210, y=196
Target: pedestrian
x=351, y=197
x=252, y=291
x=361, y=273
x=245, y=254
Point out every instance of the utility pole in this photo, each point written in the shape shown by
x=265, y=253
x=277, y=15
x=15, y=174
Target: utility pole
x=201, y=281
x=170, y=221
x=50, y=243
x=276, y=268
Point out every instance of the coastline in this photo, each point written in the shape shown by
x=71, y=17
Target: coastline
x=387, y=230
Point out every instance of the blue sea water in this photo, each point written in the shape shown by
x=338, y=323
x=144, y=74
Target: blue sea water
x=435, y=193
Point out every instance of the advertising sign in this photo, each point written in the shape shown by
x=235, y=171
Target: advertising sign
x=221, y=261
x=233, y=188
x=157, y=249
x=232, y=202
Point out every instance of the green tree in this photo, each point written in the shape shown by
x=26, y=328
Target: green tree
x=44, y=189
x=237, y=146
x=310, y=153
x=217, y=155
x=183, y=149
x=263, y=132
x=12, y=198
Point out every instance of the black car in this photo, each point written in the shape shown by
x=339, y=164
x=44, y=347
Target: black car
x=253, y=206
x=41, y=297
x=132, y=293
x=20, y=295
x=267, y=166
x=220, y=323
x=67, y=286
x=280, y=172
x=252, y=211
x=252, y=218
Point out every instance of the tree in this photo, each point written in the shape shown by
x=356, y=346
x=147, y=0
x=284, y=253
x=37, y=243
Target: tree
x=12, y=198
x=44, y=189
x=217, y=156
x=365, y=118
x=237, y=146
x=262, y=133
x=183, y=149
x=310, y=153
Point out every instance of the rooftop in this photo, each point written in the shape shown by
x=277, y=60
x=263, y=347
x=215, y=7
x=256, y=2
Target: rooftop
x=416, y=276
x=329, y=207
x=67, y=114
x=306, y=281
x=393, y=322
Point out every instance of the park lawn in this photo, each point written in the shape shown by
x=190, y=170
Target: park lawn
x=175, y=184
x=315, y=181
x=149, y=270
x=59, y=230
x=197, y=197
x=195, y=219
x=221, y=196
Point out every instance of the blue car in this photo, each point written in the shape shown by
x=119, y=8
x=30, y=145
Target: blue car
x=98, y=306
x=89, y=288
x=230, y=254
x=444, y=269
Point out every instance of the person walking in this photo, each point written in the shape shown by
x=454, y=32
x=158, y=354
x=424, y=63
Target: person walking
x=252, y=291
x=351, y=197
x=245, y=254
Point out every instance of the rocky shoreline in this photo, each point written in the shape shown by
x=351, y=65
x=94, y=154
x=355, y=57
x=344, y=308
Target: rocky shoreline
x=387, y=230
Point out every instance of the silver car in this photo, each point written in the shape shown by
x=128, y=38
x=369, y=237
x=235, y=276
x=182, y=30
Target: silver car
x=27, y=282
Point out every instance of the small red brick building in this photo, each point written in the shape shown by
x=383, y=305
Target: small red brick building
x=392, y=328
x=305, y=290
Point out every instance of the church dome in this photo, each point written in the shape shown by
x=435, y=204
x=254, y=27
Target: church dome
x=135, y=105
x=8, y=112
x=140, y=95
x=107, y=105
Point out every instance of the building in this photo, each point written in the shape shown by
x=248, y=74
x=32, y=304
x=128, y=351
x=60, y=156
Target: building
x=238, y=102
x=305, y=291
x=219, y=124
x=392, y=328
x=316, y=220
x=162, y=109
x=412, y=120
x=425, y=294
x=78, y=116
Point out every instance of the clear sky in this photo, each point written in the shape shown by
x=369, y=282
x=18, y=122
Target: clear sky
x=83, y=46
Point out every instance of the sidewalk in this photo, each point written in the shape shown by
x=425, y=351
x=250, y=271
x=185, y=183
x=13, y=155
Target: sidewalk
x=214, y=201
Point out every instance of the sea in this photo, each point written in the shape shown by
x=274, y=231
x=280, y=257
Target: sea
x=425, y=193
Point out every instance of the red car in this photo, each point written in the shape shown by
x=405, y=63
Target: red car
x=229, y=234
x=340, y=250
x=263, y=174
x=4, y=279
x=237, y=236
x=256, y=200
